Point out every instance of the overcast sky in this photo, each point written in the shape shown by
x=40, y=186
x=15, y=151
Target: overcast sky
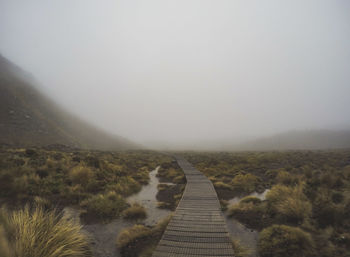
x=186, y=70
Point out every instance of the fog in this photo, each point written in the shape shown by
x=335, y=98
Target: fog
x=186, y=72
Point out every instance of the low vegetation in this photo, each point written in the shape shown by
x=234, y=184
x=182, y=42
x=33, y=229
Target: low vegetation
x=250, y=213
x=171, y=172
x=172, y=186
x=239, y=249
x=97, y=181
x=282, y=240
x=34, y=232
x=169, y=195
x=307, y=210
x=135, y=212
x=103, y=206
x=140, y=240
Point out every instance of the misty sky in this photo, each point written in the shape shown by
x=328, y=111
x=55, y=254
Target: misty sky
x=186, y=70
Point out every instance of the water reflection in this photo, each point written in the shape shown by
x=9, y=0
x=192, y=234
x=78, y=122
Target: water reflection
x=103, y=236
x=248, y=237
x=261, y=196
x=147, y=197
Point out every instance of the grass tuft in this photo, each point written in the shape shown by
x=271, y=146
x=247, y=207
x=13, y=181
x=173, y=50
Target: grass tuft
x=39, y=233
x=239, y=249
x=135, y=212
x=104, y=206
x=140, y=240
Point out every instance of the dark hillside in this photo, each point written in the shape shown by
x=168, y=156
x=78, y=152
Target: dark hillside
x=28, y=118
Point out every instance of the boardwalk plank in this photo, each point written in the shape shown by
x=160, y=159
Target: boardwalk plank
x=197, y=228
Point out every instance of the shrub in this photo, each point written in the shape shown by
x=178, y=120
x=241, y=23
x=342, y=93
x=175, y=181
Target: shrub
x=289, y=203
x=38, y=233
x=245, y=182
x=104, y=206
x=282, y=241
x=81, y=175
x=135, y=211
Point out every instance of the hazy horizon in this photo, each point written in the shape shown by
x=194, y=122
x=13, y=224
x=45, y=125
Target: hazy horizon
x=181, y=72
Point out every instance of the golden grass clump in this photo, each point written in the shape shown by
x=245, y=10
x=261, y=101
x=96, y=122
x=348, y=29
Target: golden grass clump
x=135, y=211
x=250, y=199
x=140, y=240
x=81, y=175
x=245, y=182
x=282, y=240
x=249, y=213
x=222, y=185
x=133, y=234
x=289, y=203
x=239, y=249
x=39, y=233
x=104, y=206
x=5, y=250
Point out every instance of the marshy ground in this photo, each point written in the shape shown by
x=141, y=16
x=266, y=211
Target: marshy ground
x=300, y=197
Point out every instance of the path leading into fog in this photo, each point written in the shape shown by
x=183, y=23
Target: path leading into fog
x=198, y=227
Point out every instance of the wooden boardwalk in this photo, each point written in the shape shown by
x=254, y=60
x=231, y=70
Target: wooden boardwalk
x=198, y=227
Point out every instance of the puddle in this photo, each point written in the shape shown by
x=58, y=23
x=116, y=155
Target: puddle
x=248, y=237
x=147, y=197
x=236, y=199
x=104, y=236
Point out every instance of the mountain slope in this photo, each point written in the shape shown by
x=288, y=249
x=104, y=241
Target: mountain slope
x=28, y=118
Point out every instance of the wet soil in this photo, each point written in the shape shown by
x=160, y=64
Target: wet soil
x=103, y=236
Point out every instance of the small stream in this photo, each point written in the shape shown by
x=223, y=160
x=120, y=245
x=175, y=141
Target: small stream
x=248, y=237
x=104, y=236
x=147, y=197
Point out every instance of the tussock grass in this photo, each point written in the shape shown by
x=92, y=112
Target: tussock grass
x=104, y=206
x=5, y=250
x=249, y=213
x=239, y=249
x=310, y=190
x=251, y=199
x=39, y=233
x=72, y=175
x=81, y=174
x=132, y=235
x=290, y=203
x=222, y=185
x=171, y=172
x=135, y=212
x=140, y=240
x=282, y=240
x=245, y=183
x=126, y=186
